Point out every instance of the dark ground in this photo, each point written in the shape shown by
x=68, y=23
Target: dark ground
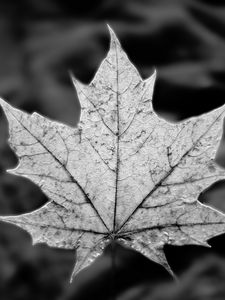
x=40, y=41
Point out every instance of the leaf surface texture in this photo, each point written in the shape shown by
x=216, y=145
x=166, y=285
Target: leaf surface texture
x=124, y=173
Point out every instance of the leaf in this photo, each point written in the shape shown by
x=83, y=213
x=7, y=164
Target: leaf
x=124, y=173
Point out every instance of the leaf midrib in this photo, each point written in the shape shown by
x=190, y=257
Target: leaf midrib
x=117, y=141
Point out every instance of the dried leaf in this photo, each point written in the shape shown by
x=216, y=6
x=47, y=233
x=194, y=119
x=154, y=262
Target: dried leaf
x=123, y=174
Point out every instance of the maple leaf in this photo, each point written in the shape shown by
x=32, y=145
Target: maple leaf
x=124, y=173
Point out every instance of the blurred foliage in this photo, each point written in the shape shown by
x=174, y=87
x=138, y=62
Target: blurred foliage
x=40, y=42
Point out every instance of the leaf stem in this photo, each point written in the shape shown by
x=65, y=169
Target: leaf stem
x=113, y=273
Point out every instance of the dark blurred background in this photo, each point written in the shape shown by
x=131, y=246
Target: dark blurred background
x=40, y=41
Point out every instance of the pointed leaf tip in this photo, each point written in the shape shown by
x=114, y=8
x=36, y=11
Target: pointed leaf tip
x=154, y=74
x=79, y=86
x=113, y=37
x=151, y=79
x=3, y=104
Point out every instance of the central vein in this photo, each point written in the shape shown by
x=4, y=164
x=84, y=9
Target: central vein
x=117, y=141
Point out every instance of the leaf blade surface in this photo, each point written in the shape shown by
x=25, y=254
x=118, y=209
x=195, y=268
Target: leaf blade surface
x=124, y=173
